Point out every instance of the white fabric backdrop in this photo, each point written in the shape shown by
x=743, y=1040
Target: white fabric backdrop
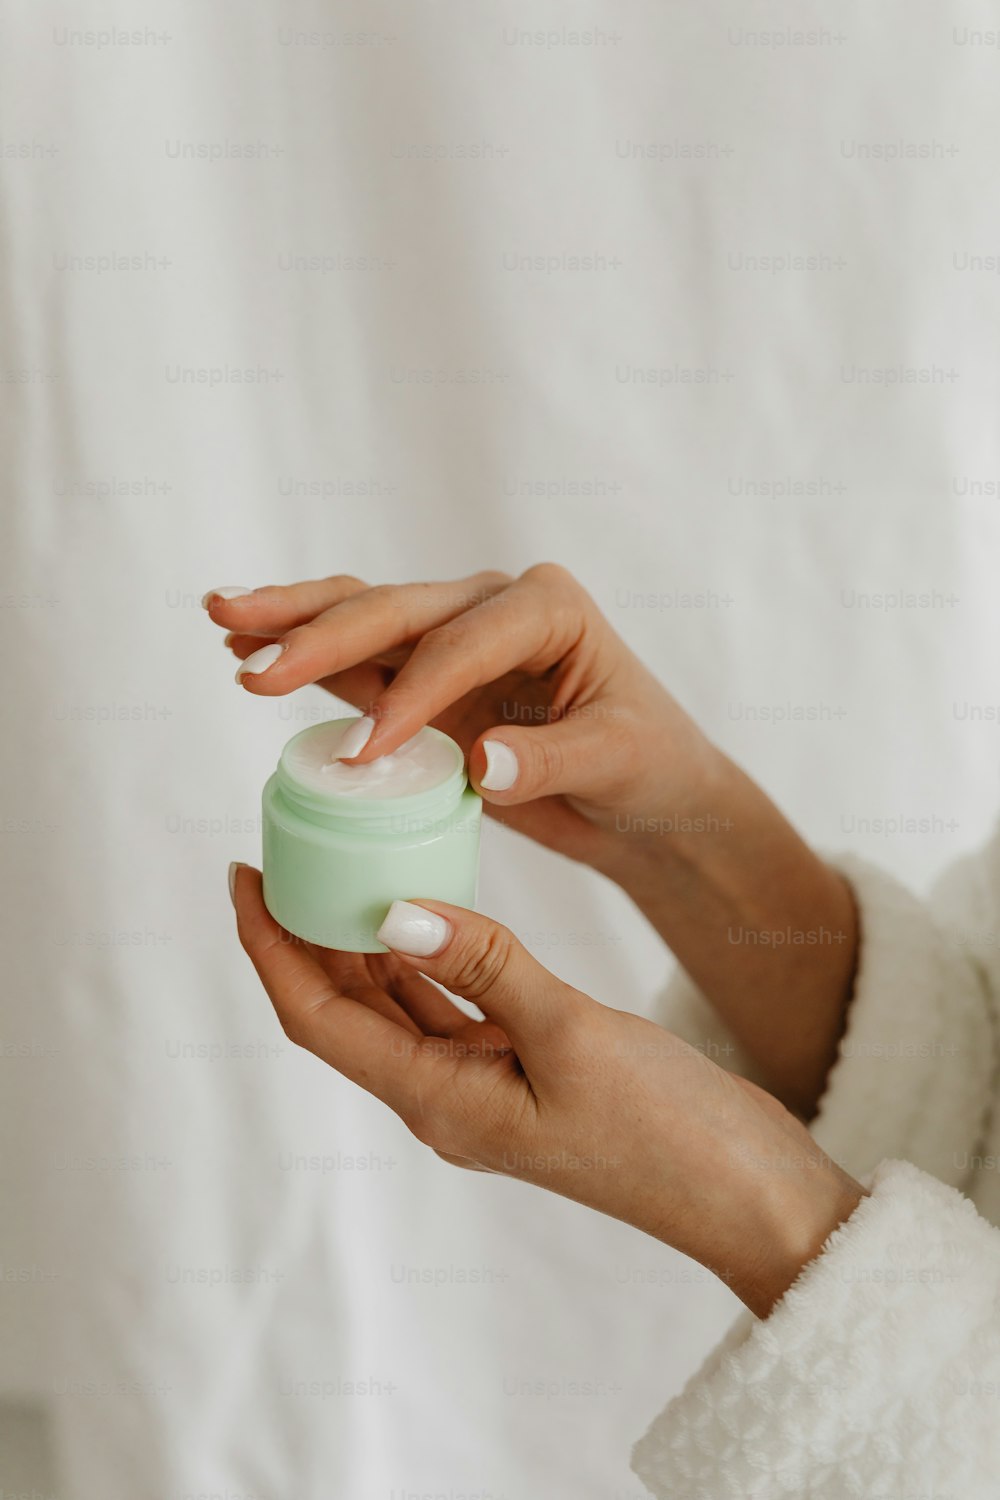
x=385, y=226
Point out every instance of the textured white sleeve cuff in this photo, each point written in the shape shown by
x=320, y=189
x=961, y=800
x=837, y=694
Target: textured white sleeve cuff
x=914, y=1071
x=877, y=1374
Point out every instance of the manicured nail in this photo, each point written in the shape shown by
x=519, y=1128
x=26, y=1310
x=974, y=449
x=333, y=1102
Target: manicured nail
x=410, y=929
x=501, y=766
x=236, y=865
x=231, y=591
x=259, y=661
x=355, y=738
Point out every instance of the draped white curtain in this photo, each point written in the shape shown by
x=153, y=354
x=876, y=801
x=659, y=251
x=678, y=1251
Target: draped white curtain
x=700, y=302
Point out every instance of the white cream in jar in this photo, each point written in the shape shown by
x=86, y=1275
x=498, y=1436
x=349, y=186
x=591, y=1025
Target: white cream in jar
x=419, y=765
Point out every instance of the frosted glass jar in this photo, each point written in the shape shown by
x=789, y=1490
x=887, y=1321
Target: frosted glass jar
x=342, y=842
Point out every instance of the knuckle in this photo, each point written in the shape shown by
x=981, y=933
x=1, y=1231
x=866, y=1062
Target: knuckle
x=292, y=1031
x=551, y=576
x=444, y=637
x=292, y=1025
x=622, y=749
x=296, y=1007
x=346, y=581
x=485, y=586
x=547, y=757
x=482, y=961
x=308, y=633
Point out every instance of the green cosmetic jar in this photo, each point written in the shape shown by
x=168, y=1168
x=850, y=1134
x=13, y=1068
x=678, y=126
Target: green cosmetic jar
x=342, y=842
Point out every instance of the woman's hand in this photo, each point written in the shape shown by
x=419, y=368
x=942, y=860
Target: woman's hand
x=568, y=737
x=571, y=740
x=554, y=1088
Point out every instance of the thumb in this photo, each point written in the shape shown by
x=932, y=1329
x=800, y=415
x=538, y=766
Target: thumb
x=478, y=959
x=578, y=755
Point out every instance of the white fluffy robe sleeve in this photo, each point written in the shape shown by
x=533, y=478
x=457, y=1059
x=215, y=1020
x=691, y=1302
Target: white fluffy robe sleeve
x=878, y=1373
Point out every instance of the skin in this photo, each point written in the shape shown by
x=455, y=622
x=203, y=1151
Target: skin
x=553, y=1088
x=613, y=773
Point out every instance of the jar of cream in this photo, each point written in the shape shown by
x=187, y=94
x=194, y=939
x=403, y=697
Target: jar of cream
x=342, y=842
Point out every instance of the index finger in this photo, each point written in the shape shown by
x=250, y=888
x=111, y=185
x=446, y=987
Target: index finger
x=365, y=1047
x=529, y=626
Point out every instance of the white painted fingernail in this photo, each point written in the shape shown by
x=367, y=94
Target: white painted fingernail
x=231, y=591
x=354, y=739
x=410, y=929
x=259, y=661
x=236, y=865
x=501, y=766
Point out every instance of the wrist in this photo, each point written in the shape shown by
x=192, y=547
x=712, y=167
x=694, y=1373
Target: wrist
x=765, y=928
x=791, y=1203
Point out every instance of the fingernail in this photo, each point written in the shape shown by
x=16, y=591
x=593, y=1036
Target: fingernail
x=410, y=929
x=354, y=740
x=259, y=661
x=501, y=766
x=229, y=637
x=236, y=865
x=231, y=591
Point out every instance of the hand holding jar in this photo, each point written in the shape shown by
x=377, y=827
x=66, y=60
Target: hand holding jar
x=569, y=738
x=572, y=741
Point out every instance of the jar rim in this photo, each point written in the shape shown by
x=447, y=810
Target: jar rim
x=426, y=804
